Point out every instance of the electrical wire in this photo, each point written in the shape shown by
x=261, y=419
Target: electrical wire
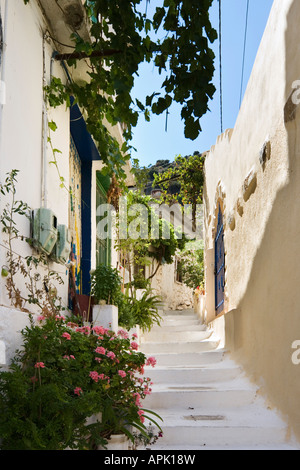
x=244, y=52
x=220, y=58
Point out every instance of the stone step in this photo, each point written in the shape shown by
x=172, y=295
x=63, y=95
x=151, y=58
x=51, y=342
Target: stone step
x=190, y=395
x=202, y=395
x=226, y=435
x=192, y=374
x=204, y=426
x=187, y=359
x=179, y=347
x=171, y=335
x=246, y=447
x=182, y=326
x=184, y=313
x=180, y=319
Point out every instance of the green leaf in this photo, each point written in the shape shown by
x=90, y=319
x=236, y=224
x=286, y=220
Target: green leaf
x=192, y=128
x=52, y=125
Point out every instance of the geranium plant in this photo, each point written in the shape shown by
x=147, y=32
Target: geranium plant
x=65, y=374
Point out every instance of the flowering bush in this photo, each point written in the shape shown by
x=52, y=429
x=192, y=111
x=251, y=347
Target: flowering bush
x=199, y=290
x=65, y=374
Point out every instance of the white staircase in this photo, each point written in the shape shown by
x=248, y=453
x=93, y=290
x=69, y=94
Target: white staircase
x=202, y=395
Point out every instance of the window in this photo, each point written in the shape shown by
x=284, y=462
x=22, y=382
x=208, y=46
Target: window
x=178, y=270
x=103, y=243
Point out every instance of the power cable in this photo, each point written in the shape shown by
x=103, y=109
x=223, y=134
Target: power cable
x=244, y=52
x=220, y=58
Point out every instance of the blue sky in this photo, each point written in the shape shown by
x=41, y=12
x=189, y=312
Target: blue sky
x=150, y=140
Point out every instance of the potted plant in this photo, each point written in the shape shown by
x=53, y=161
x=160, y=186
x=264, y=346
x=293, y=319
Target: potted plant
x=65, y=374
x=139, y=310
x=106, y=291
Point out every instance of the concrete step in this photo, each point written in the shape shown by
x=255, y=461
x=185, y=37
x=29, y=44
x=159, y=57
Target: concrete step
x=202, y=395
x=176, y=335
x=174, y=326
x=183, y=313
x=214, y=428
x=220, y=395
x=178, y=322
x=246, y=447
x=187, y=359
x=193, y=374
x=179, y=347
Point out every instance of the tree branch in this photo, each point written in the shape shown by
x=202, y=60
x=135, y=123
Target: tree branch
x=84, y=55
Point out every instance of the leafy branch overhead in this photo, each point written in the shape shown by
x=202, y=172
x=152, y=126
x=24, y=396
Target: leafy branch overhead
x=176, y=39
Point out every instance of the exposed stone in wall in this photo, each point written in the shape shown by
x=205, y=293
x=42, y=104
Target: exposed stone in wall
x=175, y=295
x=265, y=153
x=239, y=207
x=249, y=184
x=290, y=108
x=231, y=220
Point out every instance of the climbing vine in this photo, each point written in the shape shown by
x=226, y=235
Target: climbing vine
x=141, y=216
x=123, y=36
x=188, y=172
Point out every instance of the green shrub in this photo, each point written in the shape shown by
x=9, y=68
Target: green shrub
x=105, y=284
x=64, y=374
x=142, y=312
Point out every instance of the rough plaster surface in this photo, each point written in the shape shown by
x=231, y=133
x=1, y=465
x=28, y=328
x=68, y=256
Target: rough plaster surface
x=262, y=277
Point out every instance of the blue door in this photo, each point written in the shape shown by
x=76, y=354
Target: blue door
x=219, y=265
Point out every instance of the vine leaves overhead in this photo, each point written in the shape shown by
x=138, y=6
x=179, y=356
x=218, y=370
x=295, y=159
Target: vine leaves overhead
x=122, y=37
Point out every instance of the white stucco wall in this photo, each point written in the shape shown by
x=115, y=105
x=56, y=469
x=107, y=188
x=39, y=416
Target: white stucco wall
x=23, y=143
x=262, y=226
x=236, y=153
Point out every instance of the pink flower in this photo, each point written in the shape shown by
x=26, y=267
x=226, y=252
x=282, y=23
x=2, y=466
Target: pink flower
x=140, y=413
x=99, y=330
x=78, y=391
x=121, y=373
x=123, y=333
x=111, y=355
x=39, y=365
x=100, y=350
x=134, y=345
x=134, y=335
x=103, y=377
x=66, y=335
x=151, y=361
x=83, y=329
x=59, y=317
x=41, y=318
x=33, y=379
x=94, y=375
x=137, y=398
x=68, y=357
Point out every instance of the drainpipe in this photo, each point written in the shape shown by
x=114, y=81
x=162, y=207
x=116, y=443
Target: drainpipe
x=2, y=103
x=2, y=74
x=44, y=192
